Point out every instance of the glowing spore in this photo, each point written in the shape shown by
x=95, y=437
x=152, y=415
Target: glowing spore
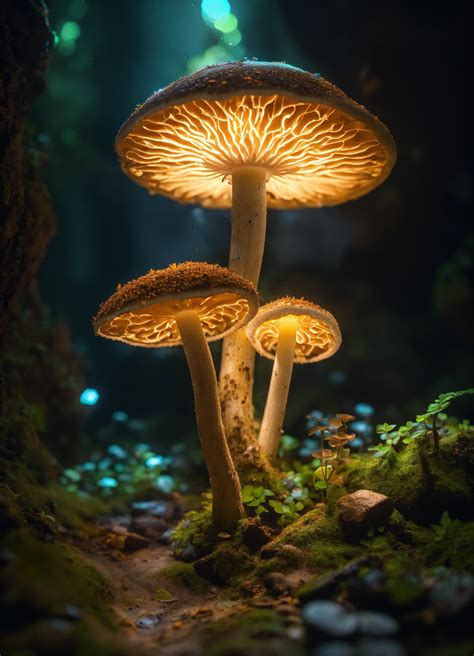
x=364, y=410
x=154, y=461
x=107, y=482
x=89, y=396
x=120, y=416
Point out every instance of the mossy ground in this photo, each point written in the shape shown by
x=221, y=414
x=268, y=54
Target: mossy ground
x=421, y=482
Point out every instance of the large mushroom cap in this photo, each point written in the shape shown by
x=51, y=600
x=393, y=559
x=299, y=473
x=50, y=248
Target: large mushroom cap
x=317, y=145
x=142, y=312
x=317, y=337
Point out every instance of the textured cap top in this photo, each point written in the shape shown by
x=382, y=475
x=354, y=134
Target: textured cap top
x=142, y=312
x=317, y=336
x=317, y=145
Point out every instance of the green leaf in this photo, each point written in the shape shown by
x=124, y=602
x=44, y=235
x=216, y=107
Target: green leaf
x=320, y=485
x=445, y=519
x=385, y=428
x=278, y=507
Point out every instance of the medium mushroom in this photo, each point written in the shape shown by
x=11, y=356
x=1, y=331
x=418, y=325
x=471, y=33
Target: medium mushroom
x=288, y=330
x=243, y=135
x=189, y=304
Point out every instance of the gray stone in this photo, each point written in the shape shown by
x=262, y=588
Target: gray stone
x=376, y=624
x=380, y=647
x=329, y=618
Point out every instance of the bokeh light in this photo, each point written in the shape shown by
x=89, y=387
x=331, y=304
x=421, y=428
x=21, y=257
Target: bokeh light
x=89, y=396
x=214, y=9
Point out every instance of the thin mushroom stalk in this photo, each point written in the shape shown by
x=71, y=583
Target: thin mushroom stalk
x=288, y=331
x=249, y=213
x=189, y=305
x=227, y=506
x=277, y=398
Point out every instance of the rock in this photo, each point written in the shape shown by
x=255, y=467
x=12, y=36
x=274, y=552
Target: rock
x=287, y=551
x=329, y=618
x=376, y=624
x=149, y=527
x=188, y=553
x=290, y=552
x=255, y=535
x=334, y=648
x=277, y=584
x=165, y=537
x=163, y=509
x=379, y=647
x=134, y=542
x=362, y=510
x=148, y=621
x=327, y=584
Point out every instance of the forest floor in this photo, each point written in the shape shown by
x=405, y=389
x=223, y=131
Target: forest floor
x=159, y=600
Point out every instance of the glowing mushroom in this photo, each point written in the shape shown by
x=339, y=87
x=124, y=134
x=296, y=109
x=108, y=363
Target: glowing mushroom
x=189, y=304
x=289, y=330
x=244, y=135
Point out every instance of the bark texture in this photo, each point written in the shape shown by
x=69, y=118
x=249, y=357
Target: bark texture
x=27, y=221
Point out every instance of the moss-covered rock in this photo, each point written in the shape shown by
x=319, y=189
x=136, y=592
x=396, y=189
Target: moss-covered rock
x=260, y=631
x=421, y=483
x=319, y=539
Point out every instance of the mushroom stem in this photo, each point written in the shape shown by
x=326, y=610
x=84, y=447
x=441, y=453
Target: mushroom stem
x=227, y=506
x=249, y=218
x=249, y=214
x=277, y=397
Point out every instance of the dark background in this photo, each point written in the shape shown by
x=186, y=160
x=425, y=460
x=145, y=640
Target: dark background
x=394, y=267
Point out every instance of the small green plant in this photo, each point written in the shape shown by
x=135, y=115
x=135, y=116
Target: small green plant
x=438, y=406
x=376, y=540
x=288, y=511
x=445, y=525
x=256, y=498
x=391, y=436
x=120, y=469
x=335, y=432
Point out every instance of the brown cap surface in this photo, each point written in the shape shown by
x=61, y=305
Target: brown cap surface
x=317, y=145
x=317, y=337
x=142, y=312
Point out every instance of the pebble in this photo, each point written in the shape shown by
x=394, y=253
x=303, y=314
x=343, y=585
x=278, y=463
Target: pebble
x=330, y=618
x=379, y=647
x=148, y=621
x=334, y=648
x=376, y=624
x=188, y=553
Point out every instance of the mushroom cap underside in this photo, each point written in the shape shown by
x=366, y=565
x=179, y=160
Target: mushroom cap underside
x=142, y=312
x=317, y=334
x=317, y=145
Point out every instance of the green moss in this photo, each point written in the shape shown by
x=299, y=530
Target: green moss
x=454, y=551
x=27, y=579
x=229, y=564
x=421, y=483
x=403, y=584
x=183, y=574
x=319, y=537
x=259, y=631
x=325, y=555
x=196, y=529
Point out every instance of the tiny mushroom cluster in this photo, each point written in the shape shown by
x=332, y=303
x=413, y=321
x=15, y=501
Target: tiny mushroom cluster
x=243, y=135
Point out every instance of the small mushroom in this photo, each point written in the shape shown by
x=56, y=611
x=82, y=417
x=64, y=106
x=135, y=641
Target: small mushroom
x=247, y=134
x=289, y=330
x=189, y=304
